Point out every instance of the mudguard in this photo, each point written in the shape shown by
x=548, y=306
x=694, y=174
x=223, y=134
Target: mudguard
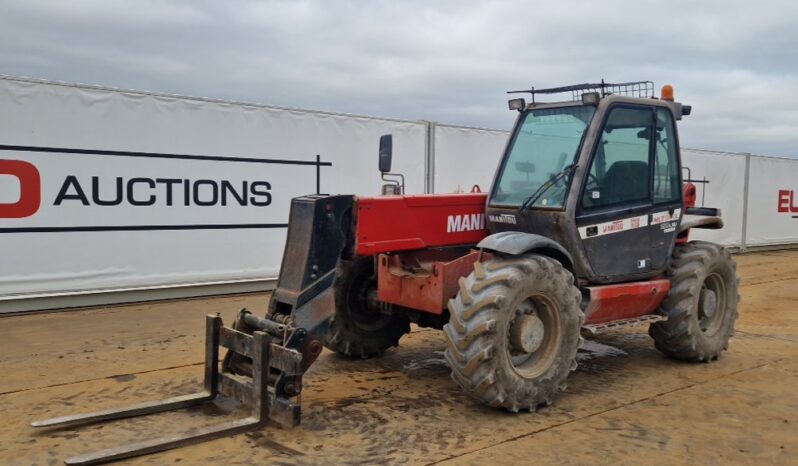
x=518, y=242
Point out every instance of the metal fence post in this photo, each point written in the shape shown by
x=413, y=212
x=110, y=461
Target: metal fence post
x=744, y=237
x=429, y=158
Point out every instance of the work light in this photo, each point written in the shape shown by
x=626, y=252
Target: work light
x=516, y=104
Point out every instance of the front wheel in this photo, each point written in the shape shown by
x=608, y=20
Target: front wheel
x=360, y=327
x=513, y=331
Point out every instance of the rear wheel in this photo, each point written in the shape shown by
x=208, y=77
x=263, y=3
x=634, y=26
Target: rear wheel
x=360, y=327
x=513, y=331
x=702, y=304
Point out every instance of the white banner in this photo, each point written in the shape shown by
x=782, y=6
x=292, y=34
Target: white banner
x=468, y=156
x=465, y=157
x=107, y=189
x=772, y=201
x=724, y=174
x=104, y=189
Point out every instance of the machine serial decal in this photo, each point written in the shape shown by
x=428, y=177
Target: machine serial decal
x=665, y=216
x=615, y=226
x=668, y=227
x=465, y=222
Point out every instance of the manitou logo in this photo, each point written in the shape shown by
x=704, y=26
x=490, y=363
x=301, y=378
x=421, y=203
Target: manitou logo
x=502, y=218
x=30, y=192
x=787, y=201
x=465, y=222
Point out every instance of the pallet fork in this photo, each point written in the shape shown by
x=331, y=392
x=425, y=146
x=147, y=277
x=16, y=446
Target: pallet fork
x=262, y=370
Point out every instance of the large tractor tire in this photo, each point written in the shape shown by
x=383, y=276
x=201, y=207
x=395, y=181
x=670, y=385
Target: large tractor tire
x=359, y=327
x=701, y=306
x=513, y=331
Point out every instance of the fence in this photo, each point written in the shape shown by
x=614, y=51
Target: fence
x=106, y=190
x=111, y=195
x=754, y=193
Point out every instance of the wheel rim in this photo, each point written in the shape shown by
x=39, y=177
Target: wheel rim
x=533, y=336
x=712, y=304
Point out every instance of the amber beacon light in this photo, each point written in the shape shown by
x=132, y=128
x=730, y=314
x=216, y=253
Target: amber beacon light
x=666, y=93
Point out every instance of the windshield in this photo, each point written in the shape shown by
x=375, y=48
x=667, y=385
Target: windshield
x=546, y=144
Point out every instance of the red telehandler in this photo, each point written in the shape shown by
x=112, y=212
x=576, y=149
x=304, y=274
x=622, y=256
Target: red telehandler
x=585, y=228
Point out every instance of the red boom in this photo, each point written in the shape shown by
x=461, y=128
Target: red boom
x=405, y=223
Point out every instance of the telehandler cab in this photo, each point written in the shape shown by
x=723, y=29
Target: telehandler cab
x=585, y=228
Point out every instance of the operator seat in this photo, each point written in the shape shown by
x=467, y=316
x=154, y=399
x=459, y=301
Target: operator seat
x=625, y=180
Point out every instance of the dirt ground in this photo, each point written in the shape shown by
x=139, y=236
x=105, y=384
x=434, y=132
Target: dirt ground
x=626, y=404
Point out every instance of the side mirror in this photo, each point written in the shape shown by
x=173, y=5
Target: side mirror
x=386, y=152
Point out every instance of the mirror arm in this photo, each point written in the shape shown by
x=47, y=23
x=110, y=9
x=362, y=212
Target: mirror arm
x=402, y=177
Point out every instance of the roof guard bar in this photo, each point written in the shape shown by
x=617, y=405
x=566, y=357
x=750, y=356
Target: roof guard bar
x=631, y=89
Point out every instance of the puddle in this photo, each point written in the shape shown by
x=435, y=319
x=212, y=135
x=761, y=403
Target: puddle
x=261, y=440
x=427, y=363
x=124, y=378
x=591, y=350
x=221, y=406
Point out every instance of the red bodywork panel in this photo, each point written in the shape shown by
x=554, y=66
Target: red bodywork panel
x=424, y=280
x=690, y=195
x=625, y=301
x=405, y=223
x=402, y=230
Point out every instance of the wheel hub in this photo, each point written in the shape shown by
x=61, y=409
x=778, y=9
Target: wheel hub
x=527, y=333
x=365, y=307
x=708, y=303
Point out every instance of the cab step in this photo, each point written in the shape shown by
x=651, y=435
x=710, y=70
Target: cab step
x=590, y=330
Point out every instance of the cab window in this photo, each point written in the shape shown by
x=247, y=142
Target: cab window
x=667, y=186
x=542, y=151
x=620, y=172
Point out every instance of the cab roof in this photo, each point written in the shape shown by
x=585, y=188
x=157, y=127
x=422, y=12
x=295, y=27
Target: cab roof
x=593, y=93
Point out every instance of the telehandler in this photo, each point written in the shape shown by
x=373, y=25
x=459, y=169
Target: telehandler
x=586, y=227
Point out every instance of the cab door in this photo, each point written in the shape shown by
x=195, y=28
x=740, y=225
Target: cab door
x=666, y=190
x=619, y=236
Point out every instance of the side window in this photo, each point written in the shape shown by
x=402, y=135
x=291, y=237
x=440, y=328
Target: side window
x=620, y=170
x=666, y=171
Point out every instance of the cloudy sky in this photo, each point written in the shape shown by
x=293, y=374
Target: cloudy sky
x=449, y=61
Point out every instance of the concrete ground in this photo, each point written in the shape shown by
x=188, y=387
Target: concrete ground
x=626, y=404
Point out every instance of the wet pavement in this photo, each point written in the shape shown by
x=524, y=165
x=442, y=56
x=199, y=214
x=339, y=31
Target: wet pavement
x=625, y=404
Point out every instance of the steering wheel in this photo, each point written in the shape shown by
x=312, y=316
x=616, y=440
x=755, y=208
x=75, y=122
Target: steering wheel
x=591, y=178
